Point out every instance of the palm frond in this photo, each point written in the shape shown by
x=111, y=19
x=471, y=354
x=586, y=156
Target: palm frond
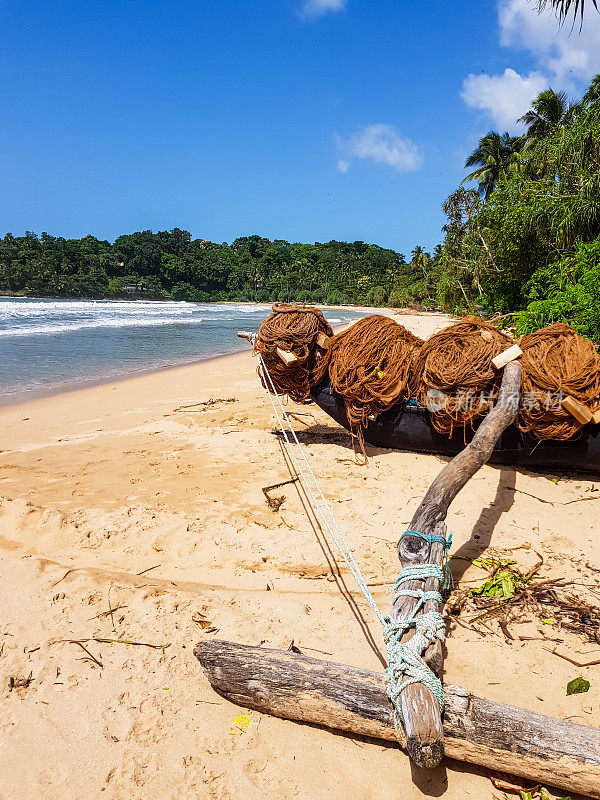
x=564, y=8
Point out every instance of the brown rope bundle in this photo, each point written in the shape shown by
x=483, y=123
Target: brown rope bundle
x=557, y=363
x=453, y=373
x=294, y=328
x=370, y=367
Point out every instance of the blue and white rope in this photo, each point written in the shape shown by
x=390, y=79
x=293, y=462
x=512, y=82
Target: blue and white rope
x=405, y=660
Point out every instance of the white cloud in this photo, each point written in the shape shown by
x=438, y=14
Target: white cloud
x=382, y=144
x=504, y=97
x=569, y=55
x=565, y=58
x=311, y=9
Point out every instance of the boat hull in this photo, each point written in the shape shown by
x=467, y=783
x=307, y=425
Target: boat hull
x=408, y=427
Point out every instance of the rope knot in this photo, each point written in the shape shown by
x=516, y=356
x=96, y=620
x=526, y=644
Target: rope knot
x=406, y=664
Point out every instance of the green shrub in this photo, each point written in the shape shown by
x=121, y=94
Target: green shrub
x=568, y=290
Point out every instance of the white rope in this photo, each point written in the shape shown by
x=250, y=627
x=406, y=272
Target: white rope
x=325, y=513
x=405, y=661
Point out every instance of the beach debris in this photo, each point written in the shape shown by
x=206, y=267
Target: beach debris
x=144, y=571
x=103, y=640
x=593, y=663
x=68, y=572
x=275, y=503
x=204, y=404
x=511, y=592
x=537, y=792
x=578, y=686
x=90, y=656
x=504, y=578
x=540, y=793
x=110, y=612
x=19, y=683
x=204, y=623
x=293, y=649
x=241, y=724
x=297, y=417
x=507, y=591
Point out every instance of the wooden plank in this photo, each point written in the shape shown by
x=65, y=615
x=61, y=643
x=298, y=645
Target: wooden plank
x=501, y=737
x=420, y=709
x=576, y=409
x=287, y=357
x=323, y=341
x=507, y=356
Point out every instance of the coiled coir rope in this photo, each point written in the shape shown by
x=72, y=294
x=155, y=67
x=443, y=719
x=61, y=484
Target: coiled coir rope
x=293, y=328
x=557, y=363
x=370, y=367
x=453, y=374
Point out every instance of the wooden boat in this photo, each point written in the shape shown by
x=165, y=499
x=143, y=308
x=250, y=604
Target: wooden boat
x=408, y=426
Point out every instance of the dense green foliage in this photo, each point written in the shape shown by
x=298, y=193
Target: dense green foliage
x=527, y=242
x=169, y=264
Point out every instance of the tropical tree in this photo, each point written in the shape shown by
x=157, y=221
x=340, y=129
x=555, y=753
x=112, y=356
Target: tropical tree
x=494, y=157
x=565, y=7
x=593, y=93
x=549, y=113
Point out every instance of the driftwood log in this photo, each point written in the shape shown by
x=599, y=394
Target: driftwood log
x=502, y=737
x=420, y=710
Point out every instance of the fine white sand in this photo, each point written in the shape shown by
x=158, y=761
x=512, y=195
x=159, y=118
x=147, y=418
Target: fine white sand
x=127, y=496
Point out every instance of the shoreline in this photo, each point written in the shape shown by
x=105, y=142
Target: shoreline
x=21, y=397
x=9, y=399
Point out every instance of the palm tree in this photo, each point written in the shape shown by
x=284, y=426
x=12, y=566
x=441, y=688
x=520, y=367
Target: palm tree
x=565, y=7
x=549, y=113
x=494, y=157
x=422, y=262
x=593, y=93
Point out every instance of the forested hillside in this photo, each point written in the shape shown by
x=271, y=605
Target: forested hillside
x=171, y=264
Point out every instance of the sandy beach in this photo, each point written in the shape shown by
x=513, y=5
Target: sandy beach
x=134, y=510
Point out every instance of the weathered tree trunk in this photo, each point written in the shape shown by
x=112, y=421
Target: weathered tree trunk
x=502, y=737
x=420, y=710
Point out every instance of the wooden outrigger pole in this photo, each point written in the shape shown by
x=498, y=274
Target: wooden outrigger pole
x=420, y=708
x=503, y=738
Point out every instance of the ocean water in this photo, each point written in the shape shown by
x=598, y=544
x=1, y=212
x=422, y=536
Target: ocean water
x=49, y=343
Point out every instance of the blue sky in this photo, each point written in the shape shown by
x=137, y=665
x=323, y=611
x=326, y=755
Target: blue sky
x=305, y=120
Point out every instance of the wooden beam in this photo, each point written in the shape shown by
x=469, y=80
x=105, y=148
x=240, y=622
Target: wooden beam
x=502, y=359
x=287, y=357
x=576, y=409
x=420, y=709
x=247, y=335
x=323, y=341
x=494, y=735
